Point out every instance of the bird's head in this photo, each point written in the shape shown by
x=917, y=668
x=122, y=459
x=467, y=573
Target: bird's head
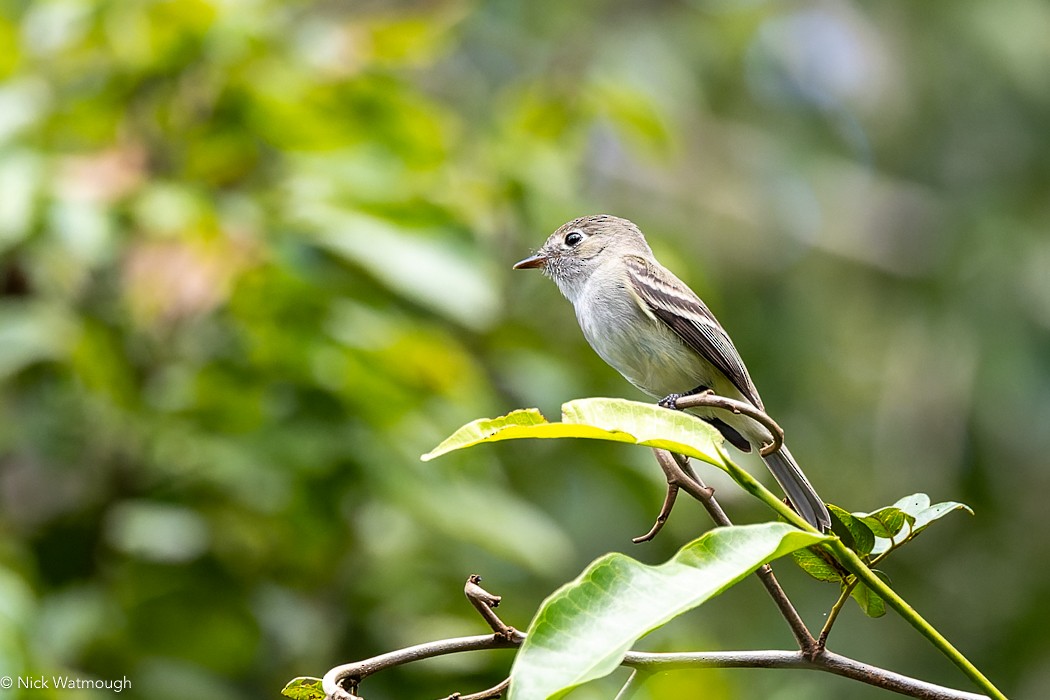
x=572, y=253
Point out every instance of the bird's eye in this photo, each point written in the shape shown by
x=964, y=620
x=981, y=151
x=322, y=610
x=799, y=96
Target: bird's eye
x=573, y=238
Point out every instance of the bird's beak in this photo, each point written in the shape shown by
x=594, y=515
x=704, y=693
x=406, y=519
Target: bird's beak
x=537, y=260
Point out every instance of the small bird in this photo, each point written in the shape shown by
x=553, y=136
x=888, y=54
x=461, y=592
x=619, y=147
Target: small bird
x=655, y=331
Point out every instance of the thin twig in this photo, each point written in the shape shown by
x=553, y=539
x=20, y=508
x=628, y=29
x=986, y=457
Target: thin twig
x=847, y=589
x=673, y=473
x=661, y=519
x=848, y=586
x=484, y=602
x=713, y=400
x=495, y=691
x=678, y=472
x=632, y=686
x=798, y=627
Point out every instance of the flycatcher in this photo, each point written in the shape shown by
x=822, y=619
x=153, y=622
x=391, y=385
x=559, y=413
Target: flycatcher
x=656, y=332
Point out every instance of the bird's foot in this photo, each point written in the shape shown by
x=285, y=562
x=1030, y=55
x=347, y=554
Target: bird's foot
x=671, y=400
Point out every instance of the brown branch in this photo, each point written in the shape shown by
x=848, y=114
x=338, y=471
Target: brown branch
x=713, y=400
x=648, y=662
x=484, y=602
x=495, y=691
x=353, y=673
x=826, y=661
x=677, y=475
x=661, y=519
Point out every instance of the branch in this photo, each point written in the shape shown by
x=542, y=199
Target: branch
x=681, y=476
x=353, y=673
x=824, y=661
x=647, y=663
x=484, y=602
x=661, y=519
x=495, y=691
x=713, y=400
x=678, y=473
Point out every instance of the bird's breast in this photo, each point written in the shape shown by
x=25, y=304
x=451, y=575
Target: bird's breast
x=644, y=350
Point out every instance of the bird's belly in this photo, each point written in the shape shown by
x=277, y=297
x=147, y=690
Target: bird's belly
x=652, y=357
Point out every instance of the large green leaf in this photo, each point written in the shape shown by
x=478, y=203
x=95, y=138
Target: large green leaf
x=617, y=420
x=583, y=629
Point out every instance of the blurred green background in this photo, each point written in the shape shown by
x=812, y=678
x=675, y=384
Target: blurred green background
x=255, y=259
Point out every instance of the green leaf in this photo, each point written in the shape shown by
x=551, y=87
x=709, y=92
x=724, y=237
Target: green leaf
x=885, y=522
x=817, y=564
x=937, y=511
x=617, y=420
x=855, y=533
x=583, y=629
x=918, y=506
x=868, y=600
x=913, y=504
x=304, y=688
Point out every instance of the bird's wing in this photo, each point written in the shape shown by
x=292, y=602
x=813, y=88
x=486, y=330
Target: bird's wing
x=668, y=299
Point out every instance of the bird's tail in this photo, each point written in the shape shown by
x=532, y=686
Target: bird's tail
x=798, y=489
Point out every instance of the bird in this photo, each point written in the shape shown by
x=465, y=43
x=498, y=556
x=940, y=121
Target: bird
x=654, y=330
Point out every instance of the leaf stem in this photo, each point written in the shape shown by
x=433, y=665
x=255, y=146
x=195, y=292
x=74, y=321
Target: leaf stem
x=847, y=589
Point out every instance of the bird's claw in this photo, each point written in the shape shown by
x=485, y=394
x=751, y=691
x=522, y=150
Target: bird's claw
x=670, y=401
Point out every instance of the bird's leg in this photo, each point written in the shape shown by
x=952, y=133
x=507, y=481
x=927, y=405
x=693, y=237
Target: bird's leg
x=671, y=400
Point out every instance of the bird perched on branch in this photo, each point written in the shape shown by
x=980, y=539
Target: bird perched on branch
x=655, y=331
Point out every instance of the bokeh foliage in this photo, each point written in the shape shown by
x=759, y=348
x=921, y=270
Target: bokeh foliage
x=254, y=260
